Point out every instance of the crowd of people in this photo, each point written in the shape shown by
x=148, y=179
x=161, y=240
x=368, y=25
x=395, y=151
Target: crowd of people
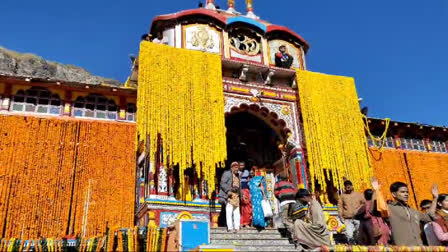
x=368, y=218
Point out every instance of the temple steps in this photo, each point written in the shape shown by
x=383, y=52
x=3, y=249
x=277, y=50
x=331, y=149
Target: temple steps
x=250, y=239
x=222, y=230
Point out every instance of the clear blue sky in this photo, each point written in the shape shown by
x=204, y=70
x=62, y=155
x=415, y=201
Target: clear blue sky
x=397, y=50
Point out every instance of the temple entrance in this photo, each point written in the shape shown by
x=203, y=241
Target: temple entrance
x=252, y=141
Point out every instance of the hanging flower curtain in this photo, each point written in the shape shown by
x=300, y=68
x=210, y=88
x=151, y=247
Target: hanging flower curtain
x=334, y=130
x=421, y=171
x=65, y=177
x=180, y=98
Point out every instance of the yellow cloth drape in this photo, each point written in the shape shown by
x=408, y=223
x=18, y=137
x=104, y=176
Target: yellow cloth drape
x=181, y=98
x=334, y=129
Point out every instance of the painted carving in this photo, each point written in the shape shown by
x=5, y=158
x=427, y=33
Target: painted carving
x=279, y=109
x=163, y=181
x=169, y=218
x=246, y=45
x=243, y=44
x=202, y=38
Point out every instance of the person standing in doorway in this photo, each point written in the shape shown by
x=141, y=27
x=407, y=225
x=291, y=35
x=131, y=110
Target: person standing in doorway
x=350, y=205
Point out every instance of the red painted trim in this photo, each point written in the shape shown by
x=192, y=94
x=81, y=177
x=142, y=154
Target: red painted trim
x=272, y=28
x=245, y=60
x=185, y=13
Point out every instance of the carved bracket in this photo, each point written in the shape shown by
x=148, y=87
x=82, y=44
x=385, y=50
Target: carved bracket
x=243, y=74
x=268, y=80
x=294, y=83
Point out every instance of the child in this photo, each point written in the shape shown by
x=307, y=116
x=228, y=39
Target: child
x=233, y=210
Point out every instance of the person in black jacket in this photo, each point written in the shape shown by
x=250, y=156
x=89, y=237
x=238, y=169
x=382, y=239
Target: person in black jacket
x=282, y=58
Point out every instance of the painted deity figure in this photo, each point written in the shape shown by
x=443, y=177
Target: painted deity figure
x=282, y=58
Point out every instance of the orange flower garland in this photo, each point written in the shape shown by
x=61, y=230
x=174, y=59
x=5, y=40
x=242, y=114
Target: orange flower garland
x=389, y=166
x=424, y=168
x=64, y=176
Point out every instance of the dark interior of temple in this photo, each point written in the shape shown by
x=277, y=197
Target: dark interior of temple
x=251, y=140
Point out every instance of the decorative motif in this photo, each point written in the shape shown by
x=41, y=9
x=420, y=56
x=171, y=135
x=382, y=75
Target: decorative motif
x=286, y=110
x=184, y=216
x=169, y=218
x=202, y=38
x=272, y=107
x=332, y=223
x=163, y=180
x=246, y=45
x=255, y=95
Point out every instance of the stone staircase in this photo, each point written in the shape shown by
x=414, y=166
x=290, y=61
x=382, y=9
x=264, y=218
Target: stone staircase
x=250, y=239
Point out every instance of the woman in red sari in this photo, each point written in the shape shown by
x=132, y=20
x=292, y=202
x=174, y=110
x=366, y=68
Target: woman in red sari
x=246, y=204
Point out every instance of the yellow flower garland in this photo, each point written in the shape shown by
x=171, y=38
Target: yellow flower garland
x=180, y=98
x=334, y=129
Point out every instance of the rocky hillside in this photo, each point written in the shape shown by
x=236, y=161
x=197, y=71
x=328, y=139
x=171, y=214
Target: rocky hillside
x=29, y=65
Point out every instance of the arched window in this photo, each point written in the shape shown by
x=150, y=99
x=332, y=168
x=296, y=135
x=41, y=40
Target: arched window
x=130, y=112
x=95, y=106
x=36, y=100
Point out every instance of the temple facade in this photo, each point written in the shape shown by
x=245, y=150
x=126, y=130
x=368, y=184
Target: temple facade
x=264, y=125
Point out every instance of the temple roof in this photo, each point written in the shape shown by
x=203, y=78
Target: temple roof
x=226, y=18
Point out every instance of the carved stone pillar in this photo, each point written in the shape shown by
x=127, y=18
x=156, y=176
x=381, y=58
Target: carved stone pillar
x=162, y=182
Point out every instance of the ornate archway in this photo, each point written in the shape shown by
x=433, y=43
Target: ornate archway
x=282, y=117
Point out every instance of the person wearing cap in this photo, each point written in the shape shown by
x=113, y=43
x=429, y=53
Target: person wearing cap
x=229, y=179
x=310, y=231
x=282, y=58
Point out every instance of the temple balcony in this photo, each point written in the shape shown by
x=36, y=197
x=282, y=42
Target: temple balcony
x=252, y=73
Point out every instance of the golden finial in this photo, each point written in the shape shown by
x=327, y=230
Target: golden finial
x=210, y=4
x=231, y=6
x=249, y=4
x=250, y=9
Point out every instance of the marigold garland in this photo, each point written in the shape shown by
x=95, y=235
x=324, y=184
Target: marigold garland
x=389, y=166
x=334, y=129
x=63, y=176
x=180, y=98
x=422, y=170
x=426, y=169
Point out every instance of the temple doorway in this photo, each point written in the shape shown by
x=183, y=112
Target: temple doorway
x=252, y=140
